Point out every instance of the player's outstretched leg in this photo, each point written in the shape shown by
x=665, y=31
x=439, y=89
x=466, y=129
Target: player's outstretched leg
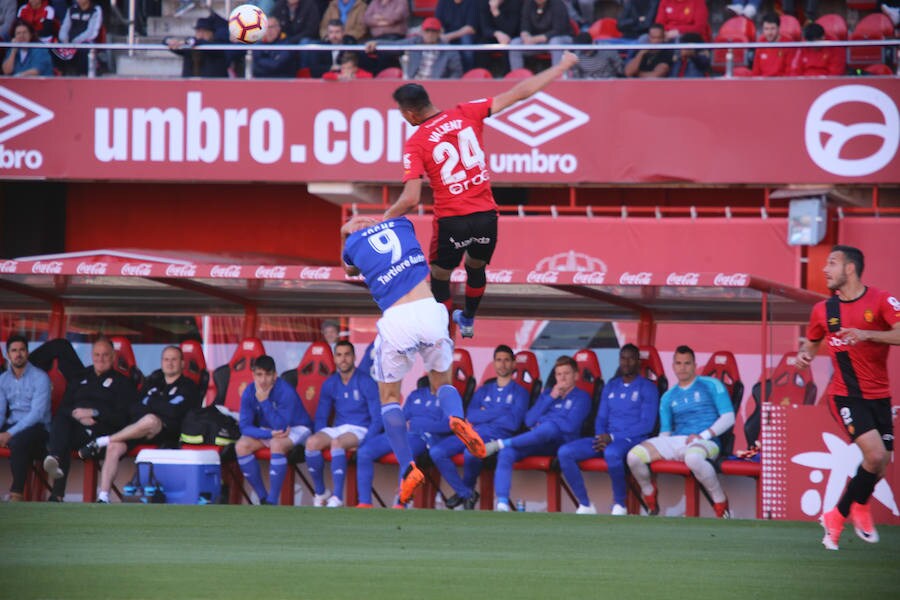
x=451, y=403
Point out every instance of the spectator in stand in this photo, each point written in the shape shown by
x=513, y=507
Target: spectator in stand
x=683, y=16
x=41, y=17
x=27, y=62
x=745, y=8
x=273, y=417
x=24, y=412
x=651, y=63
x=459, y=19
x=81, y=25
x=427, y=64
x=555, y=419
x=349, y=69
x=320, y=63
x=595, y=64
x=387, y=19
x=274, y=63
x=543, y=22
x=810, y=9
x=354, y=398
x=165, y=399
x=427, y=426
x=626, y=417
x=636, y=18
x=351, y=13
x=96, y=404
x=8, y=9
x=690, y=63
x=496, y=411
x=500, y=21
x=213, y=63
x=775, y=62
x=299, y=20
x=331, y=332
x=817, y=62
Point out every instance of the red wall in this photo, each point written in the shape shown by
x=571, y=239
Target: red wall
x=266, y=219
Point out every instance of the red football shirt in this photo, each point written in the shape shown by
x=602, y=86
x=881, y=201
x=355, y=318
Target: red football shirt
x=448, y=149
x=875, y=310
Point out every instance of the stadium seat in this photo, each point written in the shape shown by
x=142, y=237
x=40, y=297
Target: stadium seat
x=742, y=72
x=652, y=368
x=790, y=29
x=390, y=73
x=528, y=374
x=875, y=26
x=736, y=29
x=195, y=365
x=590, y=379
x=230, y=379
x=879, y=70
x=315, y=367
x=522, y=73
x=125, y=362
x=463, y=374
x=861, y=5
x=834, y=25
x=423, y=8
x=477, y=73
x=604, y=29
x=791, y=385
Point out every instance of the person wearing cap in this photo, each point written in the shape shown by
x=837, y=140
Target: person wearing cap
x=427, y=64
x=272, y=416
x=213, y=63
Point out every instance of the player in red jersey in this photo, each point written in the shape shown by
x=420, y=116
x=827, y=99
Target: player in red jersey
x=448, y=149
x=858, y=324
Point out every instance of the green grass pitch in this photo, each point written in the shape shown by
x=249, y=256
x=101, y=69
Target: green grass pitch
x=218, y=552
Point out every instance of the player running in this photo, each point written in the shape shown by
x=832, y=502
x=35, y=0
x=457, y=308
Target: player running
x=859, y=324
x=448, y=148
x=391, y=260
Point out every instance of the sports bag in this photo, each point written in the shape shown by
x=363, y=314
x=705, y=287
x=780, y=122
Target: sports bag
x=209, y=425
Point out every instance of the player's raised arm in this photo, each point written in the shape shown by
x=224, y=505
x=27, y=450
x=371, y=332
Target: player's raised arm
x=354, y=224
x=534, y=84
x=408, y=200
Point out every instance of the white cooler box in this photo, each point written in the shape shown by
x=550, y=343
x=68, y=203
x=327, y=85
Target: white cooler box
x=187, y=476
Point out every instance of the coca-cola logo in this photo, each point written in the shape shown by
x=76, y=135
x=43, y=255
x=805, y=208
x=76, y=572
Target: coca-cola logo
x=9, y=266
x=97, y=268
x=589, y=277
x=181, y=271
x=458, y=276
x=542, y=276
x=318, y=273
x=225, y=271
x=136, y=270
x=731, y=279
x=642, y=278
x=276, y=272
x=683, y=279
x=53, y=267
x=501, y=276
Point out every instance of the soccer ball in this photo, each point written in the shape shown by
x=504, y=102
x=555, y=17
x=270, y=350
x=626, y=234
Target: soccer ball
x=247, y=24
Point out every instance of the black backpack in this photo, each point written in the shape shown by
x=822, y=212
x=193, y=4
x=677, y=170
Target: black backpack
x=209, y=425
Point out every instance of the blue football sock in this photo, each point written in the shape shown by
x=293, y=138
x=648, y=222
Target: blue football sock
x=278, y=468
x=451, y=401
x=250, y=471
x=315, y=464
x=395, y=429
x=338, y=471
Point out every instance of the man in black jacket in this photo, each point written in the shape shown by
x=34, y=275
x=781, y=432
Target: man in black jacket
x=543, y=22
x=165, y=399
x=96, y=404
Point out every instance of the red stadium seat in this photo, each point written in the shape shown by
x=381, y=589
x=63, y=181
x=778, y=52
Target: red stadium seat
x=652, y=368
x=315, y=367
x=528, y=374
x=125, y=362
x=742, y=72
x=834, y=25
x=463, y=374
x=390, y=73
x=879, y=69
x=195, y=365
x=861, y=5
x=791, y=385
x=522, y=73
x=790, y=29
x=875, y=26
x=232, y=378
x=604, y=29
x=736, y=29
x=477, y=73
x=590, y=377
x=423, y=8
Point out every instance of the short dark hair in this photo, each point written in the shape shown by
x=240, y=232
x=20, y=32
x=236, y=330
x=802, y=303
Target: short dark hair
x=412, y=96
x=505, y=349
x=335, y=23
x=852, y=255
x=26, y=24
x=657, y=26
x=173, y=347
x=566, y=361
x=683, y=349
x=345, y=343
x=348, y=57
x=16, y=338
x=691, y=38
x=630, y=348
x=264, y=362
x=772, y=17
x=813, y=32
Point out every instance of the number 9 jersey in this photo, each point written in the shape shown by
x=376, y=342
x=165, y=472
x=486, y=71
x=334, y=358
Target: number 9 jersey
x=389, y=257
x=448, y=148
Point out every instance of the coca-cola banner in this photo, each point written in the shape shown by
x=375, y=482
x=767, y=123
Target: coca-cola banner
x=710, y=131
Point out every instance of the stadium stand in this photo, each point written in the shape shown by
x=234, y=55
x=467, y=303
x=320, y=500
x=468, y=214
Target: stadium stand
x=477, y=73
x=604, y=29
x=875, y=26
x=736, y=29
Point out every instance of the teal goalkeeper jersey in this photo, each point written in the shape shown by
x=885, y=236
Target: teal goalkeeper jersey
x=683, y=411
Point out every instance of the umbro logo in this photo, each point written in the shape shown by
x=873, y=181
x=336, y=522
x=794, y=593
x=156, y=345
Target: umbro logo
x=538, y=120
x=18, y=114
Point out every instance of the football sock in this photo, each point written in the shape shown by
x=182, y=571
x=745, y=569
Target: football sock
x=250, y=471
x=102, y=441
x=440, y=289
x=695, y=459
x=858, y=490
x=102, y=496
x=278, y=467
x=451, y=401
x=338, y=471
x=476, y=281
x=395, y=429
x=638, y=459
x=315, y=465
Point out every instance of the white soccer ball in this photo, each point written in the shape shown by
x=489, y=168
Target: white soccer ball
x=247, y=24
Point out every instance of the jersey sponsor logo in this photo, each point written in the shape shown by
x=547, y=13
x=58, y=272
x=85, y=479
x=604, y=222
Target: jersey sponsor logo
x=895, y=304
x=20, y=114
x=836, y=342
x=826, y=138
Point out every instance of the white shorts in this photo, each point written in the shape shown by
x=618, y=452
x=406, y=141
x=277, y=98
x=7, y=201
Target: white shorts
x=418, y=327
x=335, y=432
x=297, y=434
x=673, y=447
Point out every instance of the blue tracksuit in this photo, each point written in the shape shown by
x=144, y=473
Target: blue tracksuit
x=553, y=422
x=627, y=413
x=683, y=411
x=495, y=413
x=281, y=410
x=427, y=426
x=356, y=403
